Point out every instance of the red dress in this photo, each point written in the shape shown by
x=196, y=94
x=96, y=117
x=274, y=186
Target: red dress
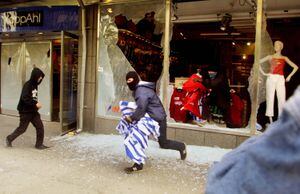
x=235, y=111
x=195, y=91
x=176, y=104
x=277, y=66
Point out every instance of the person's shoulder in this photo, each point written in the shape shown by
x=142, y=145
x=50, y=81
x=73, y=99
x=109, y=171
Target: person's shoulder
x=27, y=84
x=144, y=89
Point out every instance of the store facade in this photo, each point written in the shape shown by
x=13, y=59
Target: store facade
x=166, y=42
x=46, y=38
x=160, y=41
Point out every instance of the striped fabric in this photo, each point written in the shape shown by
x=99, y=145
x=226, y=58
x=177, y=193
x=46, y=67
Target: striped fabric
x=137, y=133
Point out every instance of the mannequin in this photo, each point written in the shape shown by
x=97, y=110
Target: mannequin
x=275, y=78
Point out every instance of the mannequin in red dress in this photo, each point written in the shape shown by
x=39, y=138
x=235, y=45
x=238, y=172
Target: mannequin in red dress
x=275, y=78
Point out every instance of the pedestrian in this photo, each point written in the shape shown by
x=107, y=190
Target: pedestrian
x=268, y=164
x=147, y=101
x=28, y=110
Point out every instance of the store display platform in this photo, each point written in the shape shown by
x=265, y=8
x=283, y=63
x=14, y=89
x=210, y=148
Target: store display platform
x=208, y=135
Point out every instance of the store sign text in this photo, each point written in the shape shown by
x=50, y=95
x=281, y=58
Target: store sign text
x=26, y=18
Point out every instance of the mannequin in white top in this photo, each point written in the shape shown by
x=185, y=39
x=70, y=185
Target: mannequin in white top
x=275, y=78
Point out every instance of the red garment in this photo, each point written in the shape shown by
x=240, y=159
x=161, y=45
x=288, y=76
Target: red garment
x=193, y=83
x=235, y=111
x=176, y=104
x=195, y=91
x=277, y=66
x=192, y=103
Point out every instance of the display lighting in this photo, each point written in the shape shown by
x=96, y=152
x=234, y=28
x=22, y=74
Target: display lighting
x=109, y=10
x=225, y=22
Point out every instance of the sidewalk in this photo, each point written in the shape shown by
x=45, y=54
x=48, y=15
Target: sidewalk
x=89, y=163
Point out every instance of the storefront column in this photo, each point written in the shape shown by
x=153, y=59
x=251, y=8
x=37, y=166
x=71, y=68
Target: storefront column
x=90, y=71
x=166, y=50
x=258, y=40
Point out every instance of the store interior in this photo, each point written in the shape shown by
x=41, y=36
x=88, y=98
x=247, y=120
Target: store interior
x=221, y=51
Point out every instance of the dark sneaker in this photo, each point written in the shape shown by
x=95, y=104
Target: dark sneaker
x=183, y=153
x=41, y=147
x=134, y=168
x=8, y=143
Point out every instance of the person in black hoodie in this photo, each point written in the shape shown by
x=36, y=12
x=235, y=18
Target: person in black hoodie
x=28, y=109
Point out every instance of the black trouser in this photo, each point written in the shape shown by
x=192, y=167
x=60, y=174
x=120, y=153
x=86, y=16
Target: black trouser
x=166, y=143
x=36, y=121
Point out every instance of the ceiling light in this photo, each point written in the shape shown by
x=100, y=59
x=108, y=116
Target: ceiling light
x=174, y=17
x=225, y=21
x=248, y=43
x=244, y=57
x=109, y=10
x=40, y=33
x=233, y=43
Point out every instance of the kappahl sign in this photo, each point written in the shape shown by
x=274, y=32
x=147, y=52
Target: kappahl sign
x=26, y=18
x=39, y=18
x=12, y=19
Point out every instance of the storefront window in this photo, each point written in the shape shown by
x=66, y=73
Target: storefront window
x=11, y=75
x=279, y=61
x=130, y=39
x=17, y=62
x=210, y=65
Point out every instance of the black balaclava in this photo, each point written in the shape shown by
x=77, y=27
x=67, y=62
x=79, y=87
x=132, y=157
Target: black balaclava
x=135, y=79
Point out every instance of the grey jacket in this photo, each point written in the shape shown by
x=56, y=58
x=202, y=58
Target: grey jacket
x=147, y=101
x=268, y=164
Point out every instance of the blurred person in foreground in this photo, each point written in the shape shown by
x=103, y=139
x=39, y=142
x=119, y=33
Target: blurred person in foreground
x=268, y=164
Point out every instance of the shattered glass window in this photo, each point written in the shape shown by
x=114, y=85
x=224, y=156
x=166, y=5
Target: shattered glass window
x=131, y=37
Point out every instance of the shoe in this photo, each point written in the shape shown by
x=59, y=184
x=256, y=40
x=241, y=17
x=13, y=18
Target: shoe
x=8, y=143
x=41, y=147
x=134, y=168
x=183, y=153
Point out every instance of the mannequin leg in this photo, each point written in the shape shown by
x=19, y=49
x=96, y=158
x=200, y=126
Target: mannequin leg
x=280, y=92
x=270, y=95
x=271, y=120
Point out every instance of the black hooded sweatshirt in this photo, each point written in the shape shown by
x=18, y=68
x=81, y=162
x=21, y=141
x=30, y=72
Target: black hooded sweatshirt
x=29, y=95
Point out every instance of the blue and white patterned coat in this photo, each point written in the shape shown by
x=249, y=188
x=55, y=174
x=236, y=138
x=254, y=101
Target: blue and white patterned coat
x=136, y=133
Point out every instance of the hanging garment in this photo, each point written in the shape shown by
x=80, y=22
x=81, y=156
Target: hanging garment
x=177, y=102
x=235, y=111
x=136, y=133
x=195, y=91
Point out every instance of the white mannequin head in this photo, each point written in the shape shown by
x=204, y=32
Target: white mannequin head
x=278, y=46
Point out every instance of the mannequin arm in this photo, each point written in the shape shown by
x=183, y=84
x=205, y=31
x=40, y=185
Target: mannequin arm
x=261, y=61
x=293, y=65
x=262, y=71
x=266, y=58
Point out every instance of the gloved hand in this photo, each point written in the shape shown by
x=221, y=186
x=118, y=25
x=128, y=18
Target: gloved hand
x=128, y=119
